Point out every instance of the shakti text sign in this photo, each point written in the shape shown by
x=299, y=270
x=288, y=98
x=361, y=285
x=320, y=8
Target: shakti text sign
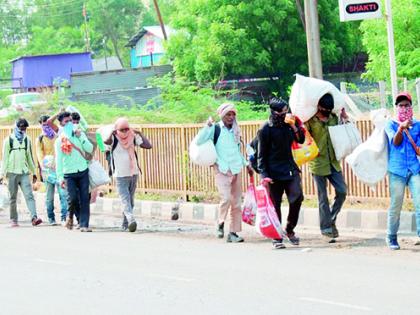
x=351, y=10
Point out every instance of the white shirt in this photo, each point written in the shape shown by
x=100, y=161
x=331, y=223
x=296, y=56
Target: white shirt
x=121, y=160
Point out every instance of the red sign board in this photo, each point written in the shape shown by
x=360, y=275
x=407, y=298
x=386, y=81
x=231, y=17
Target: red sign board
x=362, y=8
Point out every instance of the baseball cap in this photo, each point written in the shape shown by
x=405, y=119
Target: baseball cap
x=401, y=96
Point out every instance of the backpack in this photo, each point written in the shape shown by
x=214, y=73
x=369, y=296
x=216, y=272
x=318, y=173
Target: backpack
x=110, y=158
x=254, y=145
x=217, y=131
x=11, y=148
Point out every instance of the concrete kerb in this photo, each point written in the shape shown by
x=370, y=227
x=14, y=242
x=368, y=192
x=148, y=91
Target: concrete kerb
x=207, y=213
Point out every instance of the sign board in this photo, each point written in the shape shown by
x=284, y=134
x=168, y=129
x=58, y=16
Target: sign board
x=352, y=10
x=150, y=44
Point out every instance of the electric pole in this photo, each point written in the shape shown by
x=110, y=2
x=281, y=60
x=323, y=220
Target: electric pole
x=312, y=39
x=162, y=26
x=391, y=49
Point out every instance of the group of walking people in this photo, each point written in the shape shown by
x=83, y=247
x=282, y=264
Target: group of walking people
x=281, y=175
x=64, y=153
x=69, y=147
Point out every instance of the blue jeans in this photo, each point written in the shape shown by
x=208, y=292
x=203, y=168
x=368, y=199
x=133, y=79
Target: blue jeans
x=13, y=183
x=397, y=186
x=50, y=190
x=79, y=200
x=327, y=215
x=126, y=189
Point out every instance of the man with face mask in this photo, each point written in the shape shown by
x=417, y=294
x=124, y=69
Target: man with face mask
x=326, y=167
x=17, y=164
x=44, y=150
x=71, y=148
x=277, y=167
x=403, y=165
x=228, y=168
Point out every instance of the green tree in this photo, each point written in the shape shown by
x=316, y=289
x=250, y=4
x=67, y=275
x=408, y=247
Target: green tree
x=406, y=20
x=116, y=21
x=230, y=37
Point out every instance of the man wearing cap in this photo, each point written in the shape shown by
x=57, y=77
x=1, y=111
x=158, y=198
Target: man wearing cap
x=277, y=166
x=403, y=134
x=17, y=164
x=326, y=167
x=228, y=168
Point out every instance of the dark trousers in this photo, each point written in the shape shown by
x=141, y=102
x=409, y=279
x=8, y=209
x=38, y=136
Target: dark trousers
x=327, y=215
x=294, y=193
x=78, y=192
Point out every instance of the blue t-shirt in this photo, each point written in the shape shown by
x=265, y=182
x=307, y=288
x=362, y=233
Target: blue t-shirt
x=403, y=159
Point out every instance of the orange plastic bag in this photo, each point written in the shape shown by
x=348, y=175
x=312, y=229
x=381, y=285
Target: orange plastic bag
x=305, y=152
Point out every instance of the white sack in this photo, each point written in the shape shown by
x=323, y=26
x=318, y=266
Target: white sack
x=4, y=197
x=306, y=93
x=204, y=154
x=345, y=138
x=369, y=161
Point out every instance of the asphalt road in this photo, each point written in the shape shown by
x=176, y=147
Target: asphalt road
x=169, y=268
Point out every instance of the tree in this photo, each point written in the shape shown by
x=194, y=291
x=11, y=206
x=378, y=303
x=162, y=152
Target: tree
x=406, y=20
x=116, y=21
x=229, y=37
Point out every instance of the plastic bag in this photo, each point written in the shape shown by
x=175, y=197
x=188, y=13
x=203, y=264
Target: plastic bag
x=97, y=175
x=267, y=223
x=344, y=138
x=4, y=197
x=369, y=161
x=203, y=154
x=305, y=152
x=306, y=93
x=249, y=211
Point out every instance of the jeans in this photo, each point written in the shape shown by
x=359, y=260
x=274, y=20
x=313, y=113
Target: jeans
x=328, y=215
x=79, y=200
x=50, y=190
x=294, y=193
x=13, y=183
x=397, y=186
x=127, y=188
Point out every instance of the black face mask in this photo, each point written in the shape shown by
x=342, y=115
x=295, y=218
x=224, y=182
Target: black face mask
x=277, y=119
x=325, y=113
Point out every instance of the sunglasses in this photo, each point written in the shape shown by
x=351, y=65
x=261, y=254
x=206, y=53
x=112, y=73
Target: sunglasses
x=124, y=130
x=22, y=127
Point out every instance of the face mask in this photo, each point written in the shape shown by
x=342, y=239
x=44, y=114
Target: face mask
x=68, y=129
x=404, y=113
x=48, y=131
x=325, y=113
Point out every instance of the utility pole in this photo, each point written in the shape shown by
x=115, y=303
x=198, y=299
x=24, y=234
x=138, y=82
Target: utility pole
x=162, y=26
x=312, y=39
x=87, y=40
x=391, y=49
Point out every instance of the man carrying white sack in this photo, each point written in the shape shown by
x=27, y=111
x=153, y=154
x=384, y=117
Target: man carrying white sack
x=226, y=135
x=326, y=167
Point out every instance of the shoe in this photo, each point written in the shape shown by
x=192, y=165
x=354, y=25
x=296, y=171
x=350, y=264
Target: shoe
x=393, y=243
x=234, y=238
x=329, y=237
x=278, y=244
x=85, y=229
x=417, y=243
x=63, y=222
x=69, y=223
x=78, y=226
x=36, y=221
x=14, y=224
x=334, y=230
x=293, y=239
x=52, y=223
x=132, y=227
x=221, y=230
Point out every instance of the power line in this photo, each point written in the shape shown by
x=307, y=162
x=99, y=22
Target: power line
x=37, y=14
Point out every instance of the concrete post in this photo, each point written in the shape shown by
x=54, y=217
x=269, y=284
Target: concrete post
x=312, y=39
x=382, y=93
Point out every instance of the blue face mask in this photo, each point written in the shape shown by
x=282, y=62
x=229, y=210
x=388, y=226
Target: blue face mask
x=68, y=129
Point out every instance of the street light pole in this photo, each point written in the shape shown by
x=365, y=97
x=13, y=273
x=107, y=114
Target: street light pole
x=162, y=26
x=391, y=49
x=312, y=39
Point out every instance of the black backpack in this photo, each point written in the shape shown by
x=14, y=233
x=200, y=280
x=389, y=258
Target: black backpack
x=254, y=145
x=110, y=158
